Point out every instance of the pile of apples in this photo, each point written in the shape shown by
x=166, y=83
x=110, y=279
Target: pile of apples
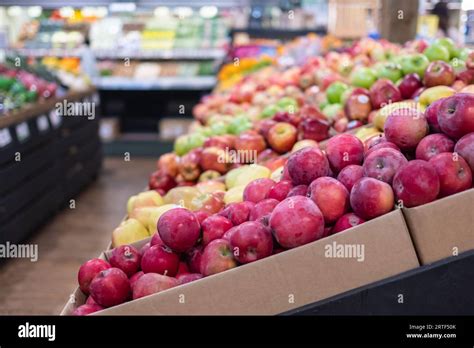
x=421, y=157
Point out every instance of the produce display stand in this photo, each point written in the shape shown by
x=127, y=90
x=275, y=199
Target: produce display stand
x=442, y=288
x=45, y=160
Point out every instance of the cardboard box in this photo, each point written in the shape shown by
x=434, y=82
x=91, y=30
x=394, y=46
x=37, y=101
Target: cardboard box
x=442, y=228
x=287, y=280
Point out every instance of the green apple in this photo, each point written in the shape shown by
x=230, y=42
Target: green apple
x=195, y=140
x=239, y=124
x=449, y=45
x=436, y=52
x=269, y=111
x=464, y=53
x=335, y=90
x=415, y=63
x=219, y=128
x=363, y=77
x=287, y=104
x=181, y=145
x=391, y=71
x=323, y=103
x=458, y=65
x=332, y=110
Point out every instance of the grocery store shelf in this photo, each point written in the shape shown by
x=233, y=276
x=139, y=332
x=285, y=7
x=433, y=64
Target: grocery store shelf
x=43, y=52
x=161, y=83
x=173, y=54
x=273, y=33
x=141, y=145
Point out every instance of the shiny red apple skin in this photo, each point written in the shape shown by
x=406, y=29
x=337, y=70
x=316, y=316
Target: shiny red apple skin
x=280, y=190
x=371, y=198
x=382, y=164
x=456, y=115
x=465, y=147
x=409, y=85
x=237, y=213
x=88, y=271
x=217, y=257
x=331, y=197
x=127, y=258
x=262, y=208
x=384, y=92
x=152, y=283
x=306, y=165
x=346, y=221
x=160, y=259
x=296, y=211
x=251, y=242
x=343, y=150
x=416, y=183
x=439, y=73
x=214, y=227
x=433, y=144
x=454, y=173
x=258, y=189
x=349, y=175
x=405, y=127
x=110, y=287
x=179, y=229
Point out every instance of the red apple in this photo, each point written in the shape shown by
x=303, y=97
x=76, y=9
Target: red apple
x=331, y=197
x=280, y=190
x=160, y=259
x=144, y=248
x=382, y=164
x=179, y=229
x=262, y=208
x=432, y=145
x=409, y=85
x=155, y=240
x=306, y=165
x=349, y=175
x=249, y=142
x=383, y=145
x=237, y=213
x=193, y=258
x=374, y=140
x=188, y=278
x=127, y=258
x=346, y=221
x=299, y=190
x=188, y=165
x=182, y=268
x=371, y=198
x=214, y=227
x=343, y=150
x=110, y=287
x=159, y=180
x=439, y=73
x=87, y=309
x=384, y=92
x=215, y=158
x=266, y=155
x=264, y=126
x=217, y=257
x=168, y=164
x=251, y=241
x=201, y=216
x=456, y=115
x=431, y=115
x=282, y=136
x=453, y=171
x=296, y=221
x=88, y=271
x=405, y=127
x=90, y=300
x=358, y=107
x=258, y=189
x=152, y=283
x=416, y=183
x=314, y=129
x=133, y=279
x=465, y=147
x=210, y=203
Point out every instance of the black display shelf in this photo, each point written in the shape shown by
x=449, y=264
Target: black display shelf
x=277, y=33
x=443, y=288
x=59, y=156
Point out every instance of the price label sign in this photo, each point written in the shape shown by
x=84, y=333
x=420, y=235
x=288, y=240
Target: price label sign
x=5, y=137
x=22, y=131
x=42, y=123
x=55, y=119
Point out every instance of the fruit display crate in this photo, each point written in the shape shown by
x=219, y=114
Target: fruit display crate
x=442, y=288
x=45, y=160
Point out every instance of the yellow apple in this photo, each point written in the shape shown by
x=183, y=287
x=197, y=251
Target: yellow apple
x=129, y=231
x=432, y=94
x=148, y=216
x=468, y=89
x=210, y=186
x=277, y=174
x=235, y=194
x=366, y=132
x=303, y=143
x=144, y=199
x=182, y=195
x=382, y=114
x=251, y=173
